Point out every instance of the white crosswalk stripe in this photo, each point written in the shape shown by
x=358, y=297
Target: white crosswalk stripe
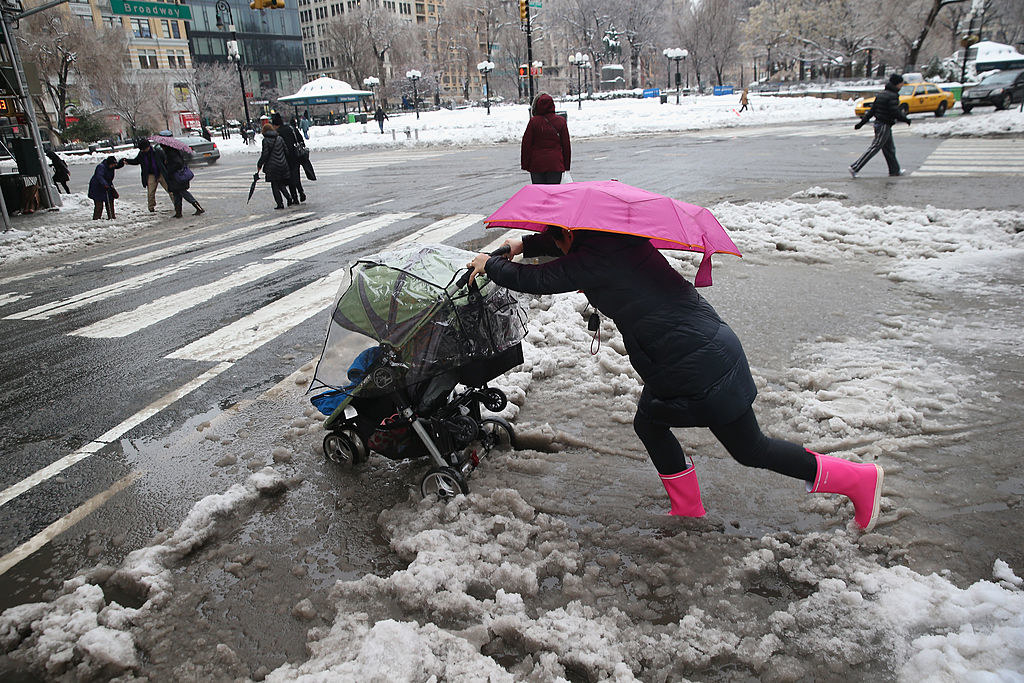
x=245, y=335
x=192, y=245
x=77, y=301
x=442, y=229
x=974, y=157
x=124, y=324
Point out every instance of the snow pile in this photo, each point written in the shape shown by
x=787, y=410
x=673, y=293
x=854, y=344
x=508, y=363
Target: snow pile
x=896, y=238
x=85, y=635
x=621, y=117
x=978, y=123
x=818, y=192
x=492, y=580
x=50, y=232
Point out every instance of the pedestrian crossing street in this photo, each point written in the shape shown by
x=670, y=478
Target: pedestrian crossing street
x=973, y=156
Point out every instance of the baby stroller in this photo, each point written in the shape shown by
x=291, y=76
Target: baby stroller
x=419, y=392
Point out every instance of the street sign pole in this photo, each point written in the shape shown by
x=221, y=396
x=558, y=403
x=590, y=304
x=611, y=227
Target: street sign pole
x=49, y=192
x=529, y=52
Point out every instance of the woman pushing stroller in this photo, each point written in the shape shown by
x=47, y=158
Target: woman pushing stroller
x=694, y=370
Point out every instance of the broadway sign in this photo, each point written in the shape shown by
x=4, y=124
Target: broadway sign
x=160, y=10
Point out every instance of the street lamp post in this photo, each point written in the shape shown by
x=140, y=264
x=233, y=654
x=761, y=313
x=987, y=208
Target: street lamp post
x=234, y=55
x=485, y=68
x=674, y=54
x=372, y=82
x=581, y=62
x=414, y=75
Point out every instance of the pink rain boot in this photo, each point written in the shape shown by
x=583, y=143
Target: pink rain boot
x=684, y=493
x=861, y=483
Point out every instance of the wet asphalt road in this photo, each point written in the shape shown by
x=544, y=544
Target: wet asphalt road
x=60, y=392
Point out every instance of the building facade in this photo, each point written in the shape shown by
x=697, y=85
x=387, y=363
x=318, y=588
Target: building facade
x=154, y=43
x=269, y=42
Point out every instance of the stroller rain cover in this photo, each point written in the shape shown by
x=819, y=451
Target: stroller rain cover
x=406, y=298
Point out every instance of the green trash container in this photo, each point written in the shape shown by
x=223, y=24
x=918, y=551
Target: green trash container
x=351, y=117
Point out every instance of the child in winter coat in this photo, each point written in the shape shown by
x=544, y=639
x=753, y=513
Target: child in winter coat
x=101, y=187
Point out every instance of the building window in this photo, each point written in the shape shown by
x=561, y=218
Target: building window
x=111, y=22
x=170, y=28
x=140, y=28
x=148, y=59
x=176, y=59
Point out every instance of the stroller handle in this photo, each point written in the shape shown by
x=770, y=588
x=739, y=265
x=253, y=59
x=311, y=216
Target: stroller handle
x=500, y=251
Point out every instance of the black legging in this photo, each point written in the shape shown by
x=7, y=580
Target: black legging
x=744, y=440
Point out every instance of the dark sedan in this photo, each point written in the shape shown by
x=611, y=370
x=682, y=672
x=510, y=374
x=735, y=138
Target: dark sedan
x=1000, y=89
x=202, y=149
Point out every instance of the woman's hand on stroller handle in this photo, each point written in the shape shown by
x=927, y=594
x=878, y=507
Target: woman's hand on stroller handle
x=479, y=262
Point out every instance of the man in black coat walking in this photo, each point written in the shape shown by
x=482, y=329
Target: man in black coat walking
x=692, y=364
x=886, y=110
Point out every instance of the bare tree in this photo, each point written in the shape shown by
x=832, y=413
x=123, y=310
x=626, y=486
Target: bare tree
x=829, y=33
x=724, y=33
x=69, y=54
x=915, y=22
x=642, y=20
x=696, y=39
x=166, y=103
x=129, y=94
x=348, y=49
x=213, y=88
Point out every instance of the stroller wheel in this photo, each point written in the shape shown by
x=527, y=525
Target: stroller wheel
x=344, y=448
x=494, y=399
x=443, y=483
x=496, y=434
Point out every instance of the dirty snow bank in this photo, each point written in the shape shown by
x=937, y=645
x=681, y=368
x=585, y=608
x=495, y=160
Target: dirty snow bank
x=490, y=579
x=977, y=124
x=84, y=635
x=620, y=118
x=51, y=232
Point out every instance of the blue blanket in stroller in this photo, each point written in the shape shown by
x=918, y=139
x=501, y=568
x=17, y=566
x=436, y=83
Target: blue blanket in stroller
x=329, y=401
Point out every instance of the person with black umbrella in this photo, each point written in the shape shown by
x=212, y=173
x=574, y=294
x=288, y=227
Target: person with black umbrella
x=275, y=160
x=292, y=143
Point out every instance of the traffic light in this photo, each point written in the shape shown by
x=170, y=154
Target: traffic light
x=276, y=4
x=258, y=4
x=266, y=4
x=524, y=11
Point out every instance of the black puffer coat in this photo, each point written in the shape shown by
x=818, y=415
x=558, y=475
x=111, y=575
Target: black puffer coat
x=693, y=366
x=886, y=107
x=274, y=159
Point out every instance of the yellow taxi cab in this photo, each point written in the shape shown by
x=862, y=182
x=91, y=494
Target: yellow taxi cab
x=914, y=98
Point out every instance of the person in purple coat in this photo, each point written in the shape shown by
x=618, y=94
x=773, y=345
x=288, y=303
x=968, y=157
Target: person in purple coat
x=101, y=187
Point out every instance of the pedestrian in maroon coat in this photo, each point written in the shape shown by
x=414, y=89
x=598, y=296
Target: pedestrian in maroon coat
x=546, y=152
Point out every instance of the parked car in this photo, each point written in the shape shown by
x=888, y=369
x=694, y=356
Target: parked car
x=202, y=150
x=999, y=89
x=915, y=98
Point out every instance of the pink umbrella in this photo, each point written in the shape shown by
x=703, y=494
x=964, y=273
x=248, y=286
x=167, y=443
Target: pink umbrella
x=170, y=142
x=611, y=206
